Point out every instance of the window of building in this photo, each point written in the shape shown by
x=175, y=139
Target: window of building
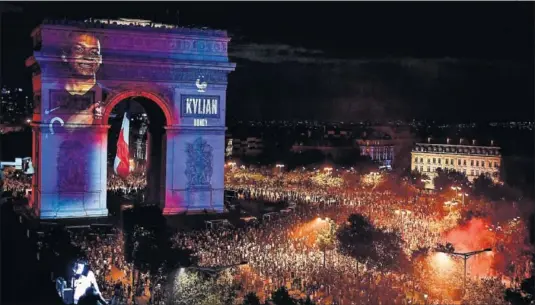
x=421, y=168
x=464, y=162
x=415, y=160
x=464, y=171
x=471, y=162
x=428, y=168
x=434, y=160
x=477, y=172
x=471, y=172
x=477, y=163
x=482, y=163
x=428, y=161
x=496, y=164
x=447, y=162
x=459, y=162
x=439, y=161
x=421, y=160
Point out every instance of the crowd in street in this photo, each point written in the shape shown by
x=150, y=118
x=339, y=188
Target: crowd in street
x=283, y=251
x=15, y=181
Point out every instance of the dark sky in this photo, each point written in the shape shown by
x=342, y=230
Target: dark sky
x=342, y=61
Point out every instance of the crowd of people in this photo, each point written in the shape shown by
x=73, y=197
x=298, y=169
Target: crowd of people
x=15, y=181
x=277, y=255
x=283, y=250
x=132, y=186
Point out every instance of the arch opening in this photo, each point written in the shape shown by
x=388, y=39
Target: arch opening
x=145, y=183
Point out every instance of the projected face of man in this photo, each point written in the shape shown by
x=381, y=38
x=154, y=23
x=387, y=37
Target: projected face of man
x=84, y=58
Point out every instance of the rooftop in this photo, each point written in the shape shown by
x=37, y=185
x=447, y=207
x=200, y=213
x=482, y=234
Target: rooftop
x=457, y=149
x=138, y=24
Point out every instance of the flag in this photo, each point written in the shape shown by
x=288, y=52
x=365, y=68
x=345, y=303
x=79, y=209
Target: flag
x=121, y=166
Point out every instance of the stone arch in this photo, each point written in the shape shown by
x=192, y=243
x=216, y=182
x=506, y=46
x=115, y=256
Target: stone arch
x=115, y=99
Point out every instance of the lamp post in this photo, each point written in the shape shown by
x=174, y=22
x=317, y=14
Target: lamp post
x=457, y=189
x=450, y=204
x=465, y=256
x=464, y=194
x=324, y=239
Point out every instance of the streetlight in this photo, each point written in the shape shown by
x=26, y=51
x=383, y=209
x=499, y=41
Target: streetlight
x=325, y=239
x=465, y=256
x=450, y=204
x=457, y=189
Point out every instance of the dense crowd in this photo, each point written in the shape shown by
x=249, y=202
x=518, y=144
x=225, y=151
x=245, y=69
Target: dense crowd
x=283, y=250
x=132, y=186
x=15, y=181
x=18, y=183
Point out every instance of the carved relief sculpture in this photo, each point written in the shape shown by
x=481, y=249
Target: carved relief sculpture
x=71, y=166
x=199, y=163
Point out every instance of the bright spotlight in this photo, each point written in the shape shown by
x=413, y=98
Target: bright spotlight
x=442, y=261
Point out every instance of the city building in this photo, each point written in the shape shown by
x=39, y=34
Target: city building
x=389, y=145
x=378, y=146
x=472, y=160
x=16, y=105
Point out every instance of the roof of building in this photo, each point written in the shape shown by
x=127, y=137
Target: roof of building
x=457, y=149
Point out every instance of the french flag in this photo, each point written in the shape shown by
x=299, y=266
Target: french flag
x=121, y=166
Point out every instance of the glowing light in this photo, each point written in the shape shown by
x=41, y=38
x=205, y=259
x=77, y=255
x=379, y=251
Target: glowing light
x=442, y=261
x=132, y=164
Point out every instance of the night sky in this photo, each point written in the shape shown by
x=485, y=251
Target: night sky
x=451, y=61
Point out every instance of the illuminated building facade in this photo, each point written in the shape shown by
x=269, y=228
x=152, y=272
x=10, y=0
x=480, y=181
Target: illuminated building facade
x=379, y=147
x=472, y=160
x=82, y=70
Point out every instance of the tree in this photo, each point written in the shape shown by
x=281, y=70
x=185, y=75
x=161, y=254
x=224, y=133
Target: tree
x=282, y=297
x=361, y=240
x=355, y=239
x=326, y=238
x=251, y=299
x=148, y=244
x=389, y=252
x=191, y=287
x=415, y=178
x=524, y=296
x=448, y=178
x=483, y=186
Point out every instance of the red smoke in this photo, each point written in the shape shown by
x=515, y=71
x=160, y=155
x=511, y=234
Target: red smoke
x=472, y=236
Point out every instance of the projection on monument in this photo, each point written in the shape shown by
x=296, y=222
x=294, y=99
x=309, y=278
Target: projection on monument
x=82, y=70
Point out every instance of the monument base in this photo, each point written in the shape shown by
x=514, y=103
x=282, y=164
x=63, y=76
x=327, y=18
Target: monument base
x=73, y=213
x=194, y=201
